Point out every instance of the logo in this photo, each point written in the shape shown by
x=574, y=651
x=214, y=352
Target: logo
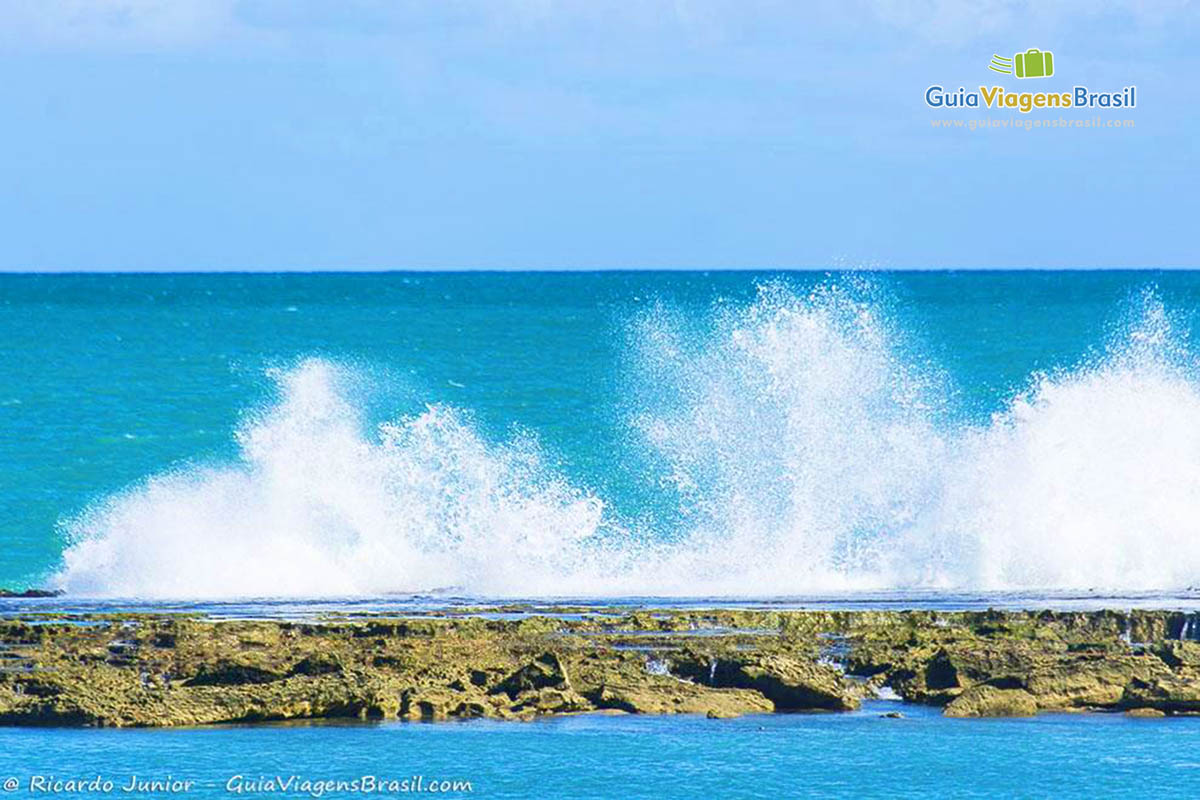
x=1033, y=63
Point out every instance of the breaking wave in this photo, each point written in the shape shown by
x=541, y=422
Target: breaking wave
x=803, y=447
x=319, y=506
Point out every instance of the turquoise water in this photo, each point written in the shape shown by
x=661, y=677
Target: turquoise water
x=746, y=433
x=859, y=755
x=387, y=442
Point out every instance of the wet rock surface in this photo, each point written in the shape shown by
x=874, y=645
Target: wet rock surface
x=164, y=670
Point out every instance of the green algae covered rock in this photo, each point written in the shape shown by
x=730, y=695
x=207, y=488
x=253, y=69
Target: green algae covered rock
x=988, y=701
x=544, y=671
x=1179, y=654
x=159, y=670
x=669, y=696
x=1173, y=693
x=1151, y=713
x=790, y=683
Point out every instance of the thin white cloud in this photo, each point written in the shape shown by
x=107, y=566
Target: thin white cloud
x=967, y=20
x=102, y=23
x=168, y=23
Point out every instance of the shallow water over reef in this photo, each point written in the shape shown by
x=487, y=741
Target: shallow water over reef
x=858, y=754
x=507, y=608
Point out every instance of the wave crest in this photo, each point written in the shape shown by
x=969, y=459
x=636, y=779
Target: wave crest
x=317, y=507
x=804, y=447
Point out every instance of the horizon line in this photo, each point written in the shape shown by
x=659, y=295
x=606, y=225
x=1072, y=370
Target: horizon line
x=577, y=270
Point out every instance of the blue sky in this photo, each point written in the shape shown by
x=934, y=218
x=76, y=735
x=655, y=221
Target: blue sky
x=388, y=134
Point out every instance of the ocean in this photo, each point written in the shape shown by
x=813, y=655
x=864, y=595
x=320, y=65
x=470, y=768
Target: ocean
x=860, y=754
x=599, y=434
x=290, y=445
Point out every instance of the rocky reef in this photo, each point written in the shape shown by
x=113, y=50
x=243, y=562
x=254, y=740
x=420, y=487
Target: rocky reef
x=513, y=663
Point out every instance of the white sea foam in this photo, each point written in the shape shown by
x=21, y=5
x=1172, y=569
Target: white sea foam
x=1089, y=479
x=816, y=456
x=801, y=443
x=808, y=450
x=320, y=506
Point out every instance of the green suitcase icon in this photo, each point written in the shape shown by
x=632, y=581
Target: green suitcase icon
x=1034, y=63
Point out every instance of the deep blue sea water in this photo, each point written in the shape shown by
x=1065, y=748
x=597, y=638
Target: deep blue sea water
x=387, y=442
x=851, y=755
x=601, y=433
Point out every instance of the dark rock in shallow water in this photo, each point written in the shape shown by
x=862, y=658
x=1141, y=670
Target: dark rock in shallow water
x=1175, y=693
x=790, y=683
x=151, y=670
x=316, y=665
x=1178, y=653
x=30, y=593
x=231, y=674
x=540, y=673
